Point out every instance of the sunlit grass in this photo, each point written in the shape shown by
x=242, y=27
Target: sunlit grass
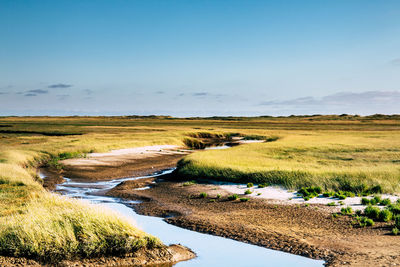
x=52, y=228
x=332, y=160
x=329, y=151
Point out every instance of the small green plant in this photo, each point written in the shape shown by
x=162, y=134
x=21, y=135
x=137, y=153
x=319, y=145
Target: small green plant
x=378, y=199
x=372, y=202
x=212, y=200
x=306, y=205
x=247, y=192
x=233, y=197
x=203, y=195
x=262, y=185
x=397, y=221
x=395, y=231
x=343, y=194
x=385, y=202
x=364, y=221
x=341, y=203
x=385, y=215
x=365, y=201
x=249, y=185
x=394, y=208
x=331, y=204
x=309, y=192
x=372, y=212
x=328, y=194
x=188, y=183
x=346, y=211
x=219, y=196
x=335, y=215
x=258, y=194
x=244, y=199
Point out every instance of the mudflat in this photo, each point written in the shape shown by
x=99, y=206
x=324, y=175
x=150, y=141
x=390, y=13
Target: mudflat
x=309, y=230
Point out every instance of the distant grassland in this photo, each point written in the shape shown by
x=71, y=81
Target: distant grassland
x=338, y=160
x=331, y=151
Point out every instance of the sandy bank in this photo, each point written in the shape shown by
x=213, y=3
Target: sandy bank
x=156, y=257
x=120, y=163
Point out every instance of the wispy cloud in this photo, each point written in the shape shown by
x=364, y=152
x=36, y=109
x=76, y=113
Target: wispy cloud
x=160, y=92
x=59, y=85
x=200, y=94
x=341, y=99
x=395, y=62
x=88, y=91
x=37, y=91
x=34, y=92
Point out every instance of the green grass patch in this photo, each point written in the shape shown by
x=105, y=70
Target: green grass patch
x=188, y=183
x=203, y=195
x=364, y=221
x=372, y=212
x=346, y=211
x=248, y=192
x=233, y=197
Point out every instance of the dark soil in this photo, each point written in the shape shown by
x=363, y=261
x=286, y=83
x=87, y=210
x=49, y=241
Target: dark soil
x=309, y=231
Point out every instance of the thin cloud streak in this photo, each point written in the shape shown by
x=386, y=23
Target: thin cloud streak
x=342, y=99
x=395, y=62
x=37, y=91
x=200, y=94
x=59, y=85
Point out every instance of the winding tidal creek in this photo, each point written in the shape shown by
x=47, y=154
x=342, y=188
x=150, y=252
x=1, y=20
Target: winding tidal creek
x=211, y=250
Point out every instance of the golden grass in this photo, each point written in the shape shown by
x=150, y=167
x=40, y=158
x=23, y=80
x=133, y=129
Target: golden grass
x=311, y=150
x=332, y=160
x=54, y=228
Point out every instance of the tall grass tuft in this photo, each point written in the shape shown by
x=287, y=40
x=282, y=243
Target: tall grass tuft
x=54, y=228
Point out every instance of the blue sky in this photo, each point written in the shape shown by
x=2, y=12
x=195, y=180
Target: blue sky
x=199, y=58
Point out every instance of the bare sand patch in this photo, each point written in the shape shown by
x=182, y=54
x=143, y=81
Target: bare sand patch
x=284, y=196
x=138, y=161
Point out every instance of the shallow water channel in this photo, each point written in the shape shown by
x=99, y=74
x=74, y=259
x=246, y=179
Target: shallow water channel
x=211, y=250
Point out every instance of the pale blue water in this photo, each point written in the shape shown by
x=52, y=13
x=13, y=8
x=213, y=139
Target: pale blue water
x=211, y=250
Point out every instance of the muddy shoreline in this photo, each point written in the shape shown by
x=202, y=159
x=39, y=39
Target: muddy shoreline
x=308, y=231
x=159, y=257
x=122, y=167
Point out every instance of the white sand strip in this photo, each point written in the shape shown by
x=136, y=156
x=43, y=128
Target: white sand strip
x=284, y=196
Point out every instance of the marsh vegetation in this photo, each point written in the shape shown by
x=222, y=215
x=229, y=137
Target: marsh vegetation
x=334, y=153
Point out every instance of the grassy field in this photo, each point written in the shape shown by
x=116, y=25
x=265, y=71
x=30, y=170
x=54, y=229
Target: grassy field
x=334, y=160
x=331, y=151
